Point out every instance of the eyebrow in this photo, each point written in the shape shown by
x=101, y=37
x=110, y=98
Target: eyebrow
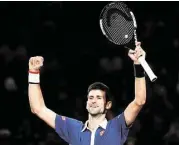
x=96, y=96
x=90, y=96
x=99, y=96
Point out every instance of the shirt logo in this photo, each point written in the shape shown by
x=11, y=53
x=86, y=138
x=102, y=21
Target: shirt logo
x=101, y=133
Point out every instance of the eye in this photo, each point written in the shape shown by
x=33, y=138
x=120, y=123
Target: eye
x=90, y=97
x=99, y=97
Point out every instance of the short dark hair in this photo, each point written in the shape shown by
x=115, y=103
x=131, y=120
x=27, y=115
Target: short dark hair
x=103, y=87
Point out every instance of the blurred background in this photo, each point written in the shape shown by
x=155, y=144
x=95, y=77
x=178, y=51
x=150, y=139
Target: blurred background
x=76, y=54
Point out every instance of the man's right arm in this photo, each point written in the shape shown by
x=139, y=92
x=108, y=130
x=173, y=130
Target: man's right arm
x=38, y=107
x=36, y=100
x=65, y=127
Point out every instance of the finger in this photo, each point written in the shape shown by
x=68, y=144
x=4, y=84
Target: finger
x=32, y=61
x=134, y=57
x=141, y=53
x=131, y=51
x=138, y=52
x=37, y=62
x=39, y=58
x=42, y=58
x=138, y=43
x=138, y=49
x=41, y=61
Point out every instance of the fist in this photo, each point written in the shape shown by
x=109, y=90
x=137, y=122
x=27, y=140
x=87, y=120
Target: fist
x=35, y=63
x=138, y=52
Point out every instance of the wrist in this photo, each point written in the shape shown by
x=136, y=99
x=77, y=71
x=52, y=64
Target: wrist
x=138, y=71
x=34, y=71
x=34, y=77
x=136, y=62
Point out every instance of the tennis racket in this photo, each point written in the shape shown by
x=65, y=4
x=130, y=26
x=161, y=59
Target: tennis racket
x=118, y=24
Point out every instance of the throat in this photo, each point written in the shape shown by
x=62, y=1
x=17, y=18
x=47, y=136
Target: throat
x=95, y=121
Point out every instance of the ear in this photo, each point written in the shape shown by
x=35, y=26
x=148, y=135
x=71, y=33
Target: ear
x=108, y=105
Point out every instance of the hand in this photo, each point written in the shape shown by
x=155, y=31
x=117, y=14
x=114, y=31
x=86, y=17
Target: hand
x=35, y=63
x=138, y=52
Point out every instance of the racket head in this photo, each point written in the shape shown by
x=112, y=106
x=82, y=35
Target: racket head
x=117, y=23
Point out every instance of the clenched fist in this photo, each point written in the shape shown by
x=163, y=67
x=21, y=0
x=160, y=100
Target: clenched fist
x=35, y=63
x=135, y=54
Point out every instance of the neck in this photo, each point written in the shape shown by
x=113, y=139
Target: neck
x=94, y=121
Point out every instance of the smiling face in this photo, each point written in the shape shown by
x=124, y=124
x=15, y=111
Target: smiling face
x=96, y=103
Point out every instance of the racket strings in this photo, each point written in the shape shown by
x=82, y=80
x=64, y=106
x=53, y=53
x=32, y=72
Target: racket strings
x=118, y=24
x=119, y=28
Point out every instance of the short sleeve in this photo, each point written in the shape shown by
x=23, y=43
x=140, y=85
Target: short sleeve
x=67, y=127
x=122, y=126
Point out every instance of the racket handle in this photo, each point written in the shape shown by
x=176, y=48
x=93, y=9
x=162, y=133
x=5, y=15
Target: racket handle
x=147, y=69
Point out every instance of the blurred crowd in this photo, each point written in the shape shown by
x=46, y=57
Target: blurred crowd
x=68, y=36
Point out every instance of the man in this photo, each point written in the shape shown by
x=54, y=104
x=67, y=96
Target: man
x=97, y=130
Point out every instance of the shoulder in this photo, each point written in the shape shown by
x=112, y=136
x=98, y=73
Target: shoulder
x=68, y=121
x=118, y=120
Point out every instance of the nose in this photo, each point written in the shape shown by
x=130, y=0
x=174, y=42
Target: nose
x=93, y=100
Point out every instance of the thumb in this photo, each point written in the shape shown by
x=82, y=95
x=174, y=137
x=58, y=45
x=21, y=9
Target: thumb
x=131, y=54
x=138, y=44
x=131, y=51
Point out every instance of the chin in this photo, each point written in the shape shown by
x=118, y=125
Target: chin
x=93, y=114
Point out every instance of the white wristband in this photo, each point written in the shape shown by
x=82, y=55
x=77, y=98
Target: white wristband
x=34, y=78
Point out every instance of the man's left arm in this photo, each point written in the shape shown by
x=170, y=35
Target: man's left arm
x=136, y=105
x=125, y=119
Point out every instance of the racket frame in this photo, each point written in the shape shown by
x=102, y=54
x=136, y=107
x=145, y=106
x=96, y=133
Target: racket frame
x=141, y=59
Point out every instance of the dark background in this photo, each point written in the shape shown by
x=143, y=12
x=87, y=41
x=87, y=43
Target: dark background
x=76, y=54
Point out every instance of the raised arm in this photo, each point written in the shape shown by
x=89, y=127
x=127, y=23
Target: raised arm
x=65, y=127
x=136, y=105
x=36, y=100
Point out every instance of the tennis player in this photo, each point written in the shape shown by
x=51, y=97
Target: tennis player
x=97, y=130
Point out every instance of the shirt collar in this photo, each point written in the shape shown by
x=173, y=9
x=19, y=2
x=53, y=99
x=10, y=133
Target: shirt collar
x=102, y=124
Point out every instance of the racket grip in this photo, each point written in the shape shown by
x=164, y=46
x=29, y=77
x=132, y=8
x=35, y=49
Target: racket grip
x=147, y=69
